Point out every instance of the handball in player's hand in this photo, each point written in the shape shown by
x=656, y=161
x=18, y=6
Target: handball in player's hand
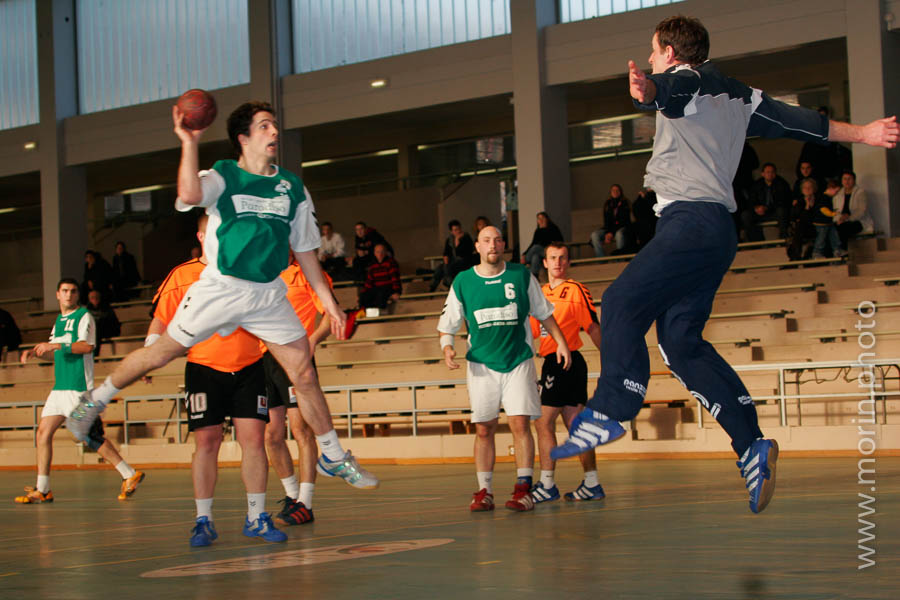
x=199, y=109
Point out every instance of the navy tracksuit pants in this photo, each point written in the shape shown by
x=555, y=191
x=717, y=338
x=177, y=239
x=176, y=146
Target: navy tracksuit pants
x=673, y=281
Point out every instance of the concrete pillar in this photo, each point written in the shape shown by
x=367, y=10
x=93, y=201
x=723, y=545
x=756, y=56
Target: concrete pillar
x=63, y=189
x=269, y=25
x=541, y=128
x=873, y=53
x=407, y=165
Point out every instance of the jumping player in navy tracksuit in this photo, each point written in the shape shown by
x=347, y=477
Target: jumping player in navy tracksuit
x=702, y=120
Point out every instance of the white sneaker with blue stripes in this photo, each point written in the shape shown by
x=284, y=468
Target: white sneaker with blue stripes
x=589, y=429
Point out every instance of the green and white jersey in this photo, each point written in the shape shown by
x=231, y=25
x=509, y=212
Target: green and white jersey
x=74, y=372
x=253, y=219
x=496, y=312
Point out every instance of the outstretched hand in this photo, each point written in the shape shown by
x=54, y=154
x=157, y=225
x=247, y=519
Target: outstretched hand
x=884, y=133
x=184, y=134
x=641, y=88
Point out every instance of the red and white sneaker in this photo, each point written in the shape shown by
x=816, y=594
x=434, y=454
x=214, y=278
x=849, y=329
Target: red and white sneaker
x=482, y=501
x=521, y=499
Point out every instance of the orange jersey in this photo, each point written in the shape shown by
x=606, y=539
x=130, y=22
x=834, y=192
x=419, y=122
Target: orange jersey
x=302, y=297
x=573, y=309
x=229, y=354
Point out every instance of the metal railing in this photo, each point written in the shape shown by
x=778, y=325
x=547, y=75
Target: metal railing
x=788, y=374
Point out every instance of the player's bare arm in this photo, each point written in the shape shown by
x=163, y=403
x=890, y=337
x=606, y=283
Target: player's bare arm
x=563, y=355
x=309, y=262
x=323, y=330
x=46, y=349
x=883, y=133
x=189, y=188
x=641, y=87
x=594, y=333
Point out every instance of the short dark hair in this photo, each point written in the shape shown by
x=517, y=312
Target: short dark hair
x=453, y=223
x=361, y=223
x=121, y=242
x=848, y=172
x=239, y=121
x=328, y=223
x=687, y=36
x=66, y=280
x=768, y=164
x=558, y=245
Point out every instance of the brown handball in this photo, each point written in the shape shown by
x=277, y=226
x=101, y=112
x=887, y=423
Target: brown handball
x=199, y=109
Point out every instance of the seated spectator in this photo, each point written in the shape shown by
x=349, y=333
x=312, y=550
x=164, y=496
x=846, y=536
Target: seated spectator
x=616, y=222
x=98, y=274
x=125, y=273
x=742, y=182
x=458, y=250
x=546, y=232
x=802, y=231
x=644, y=217
x=332, y=253
x=10, y=336
x=382, y=284
x=108, y=325
x=366, y=239
x=828, y=160
x=805, y=170
x=851, y=213
x=770, y=198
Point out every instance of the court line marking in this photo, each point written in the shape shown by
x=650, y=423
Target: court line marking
x=489, y=562
x=469, y=520
x=10, y=574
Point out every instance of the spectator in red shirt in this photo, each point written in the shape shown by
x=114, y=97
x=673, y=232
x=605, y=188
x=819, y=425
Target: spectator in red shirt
x=382, y=285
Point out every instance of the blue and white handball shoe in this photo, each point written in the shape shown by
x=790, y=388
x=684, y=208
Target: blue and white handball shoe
x=589, y=429
x=541, y=494
x=262, y=527
x=757, y=467
x=583, y=492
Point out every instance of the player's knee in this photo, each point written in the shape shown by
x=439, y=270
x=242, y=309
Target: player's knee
x=274, y=435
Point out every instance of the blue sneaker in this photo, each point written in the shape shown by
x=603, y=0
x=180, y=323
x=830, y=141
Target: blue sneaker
x=583, y=492
x=203, y=533
x=264, y=528
x=589, y=429
x=541, y=494
x=349, y=470
x=757, y=467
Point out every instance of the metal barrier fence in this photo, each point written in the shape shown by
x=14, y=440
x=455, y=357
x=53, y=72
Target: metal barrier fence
x=788, y=374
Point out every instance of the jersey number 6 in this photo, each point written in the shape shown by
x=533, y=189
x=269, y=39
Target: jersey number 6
x=510, y=290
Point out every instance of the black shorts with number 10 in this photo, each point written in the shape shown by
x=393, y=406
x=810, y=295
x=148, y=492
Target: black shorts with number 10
x=564, y=388
x=212, y=395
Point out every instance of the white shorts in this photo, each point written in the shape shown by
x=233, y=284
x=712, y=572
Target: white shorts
x=60, y=402
x=517, y=391
x=213, y=306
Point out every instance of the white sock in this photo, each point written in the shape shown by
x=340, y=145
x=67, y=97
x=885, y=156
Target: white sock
x=525, y=473
x=43, y=484
x=590, y=479
x=106, y=392
x=485, y=480
x=547, y=479
x=291, y=487
x=306, y=493
x=256, y=504
x=204, y=507
x=125, y=470
x=331, y=446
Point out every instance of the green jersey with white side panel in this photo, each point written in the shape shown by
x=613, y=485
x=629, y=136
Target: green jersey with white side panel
x=74, y=372
x=496, y=311
x=253, y=221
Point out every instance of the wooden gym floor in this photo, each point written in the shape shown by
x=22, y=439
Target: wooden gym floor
x=668, y=529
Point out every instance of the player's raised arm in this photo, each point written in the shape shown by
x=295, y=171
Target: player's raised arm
x=883, y=133
x=189, y=188
x=642, y=89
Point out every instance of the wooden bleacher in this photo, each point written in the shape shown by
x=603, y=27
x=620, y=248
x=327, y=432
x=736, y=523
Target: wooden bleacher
x=390, y=379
